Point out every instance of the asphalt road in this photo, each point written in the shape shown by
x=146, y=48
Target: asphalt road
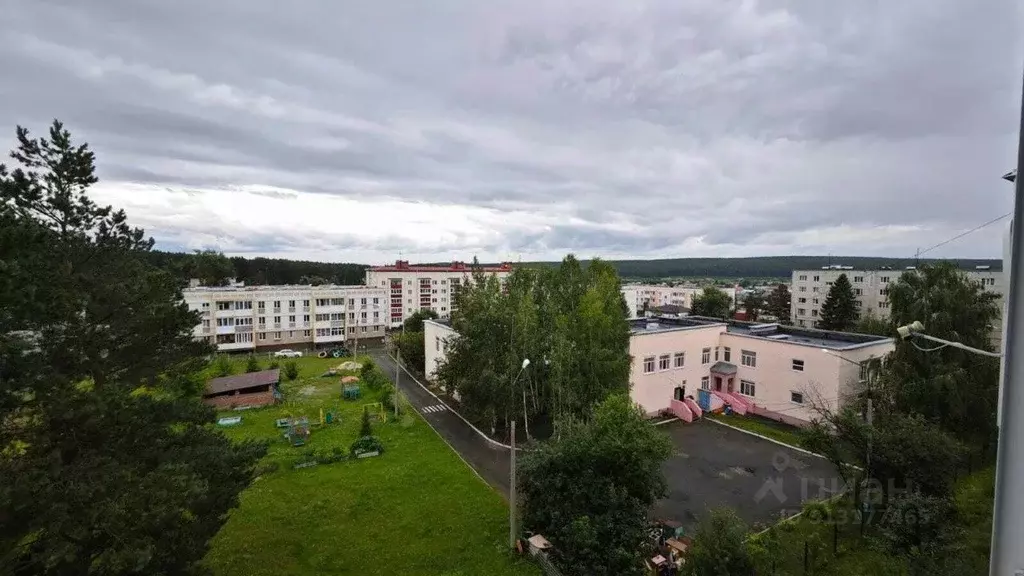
x=489, y=461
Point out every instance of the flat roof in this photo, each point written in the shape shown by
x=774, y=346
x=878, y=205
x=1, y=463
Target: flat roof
x=271, y=287
x=241, y=381
x=805, y=336
x=655, y=324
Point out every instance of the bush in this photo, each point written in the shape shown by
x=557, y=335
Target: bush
x=274, y=365
x=264, y=468
x=223, y=366
x=387, y=396
x=368, y=367
x=252, y=364
x=367, y=444
x=291, y=370
x=365, y=429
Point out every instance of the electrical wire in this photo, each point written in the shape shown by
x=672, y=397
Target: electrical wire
x=961, y=235
x=939, y=347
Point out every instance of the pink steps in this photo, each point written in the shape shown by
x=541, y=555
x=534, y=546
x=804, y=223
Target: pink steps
x=681, y=410
x=738, y=406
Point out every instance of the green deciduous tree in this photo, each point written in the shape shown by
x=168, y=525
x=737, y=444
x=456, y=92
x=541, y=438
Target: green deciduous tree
x=839, y=311
x=711, y=302
x=414, y=323
x=590, y=491
x=871, y=323
x=108, y=462
x=365, y=427
x=719, y=546
x=570, y=323
x=954, y=388
x=291, y=370
x=779, y=304
x=223, y=366
x=409, y=341
x=212, y=268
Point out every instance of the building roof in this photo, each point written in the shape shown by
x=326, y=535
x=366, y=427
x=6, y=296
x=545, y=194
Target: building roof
x=240, y=381
x=804, y=336
x=667, y=323
x=404, y=266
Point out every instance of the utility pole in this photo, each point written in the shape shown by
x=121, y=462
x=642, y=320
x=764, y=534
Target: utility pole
x=398, y=367
x=512, y=490
x=1007, y=557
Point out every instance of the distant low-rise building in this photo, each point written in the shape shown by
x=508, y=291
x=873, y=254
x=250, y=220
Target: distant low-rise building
x=686, y=365
x=655, y=295
x=249, y=318
x=413, y=287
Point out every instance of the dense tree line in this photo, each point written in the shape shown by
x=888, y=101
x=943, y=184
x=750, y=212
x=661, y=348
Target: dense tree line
x=259, y=270
x=109, y=463
x=570, y=322
x=760, y=267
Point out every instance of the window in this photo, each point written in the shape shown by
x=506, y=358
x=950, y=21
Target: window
x=884, y=279
x=705, y=383
x=802, y=300
x=362, y=301
x=306, y=333
x=804, y=289
x=796, y=397
x=362, y=328
x=291, y=303
x=376, y=301
x=883, y=304
x=351, y=301
x=801, y=311
x=277, y=319
x=746, y=387
x=679, y=360
x=223, y=305
x=883, y=292
x=817, y=278
x=263, y=335
x=748, y=358
x=305, y=303
x=649, y=365
x=857, y=292
x=815, y=301
x=291, y=318
x=437, y=343
x=814, y=313
x=815, y=289
x=243, y=321
x=664, y=362
x=801, y=323
x=291, y=334
x=865, y=370
x=716, y=353
x=858, y=278
x=705, y=356
x=277, y=335
x=727, y=354
x=206, y=324
x=206, y=306
x=803, y=277
x=798, y=365
x=277, y=303
x=305, y=318
x=225, y=321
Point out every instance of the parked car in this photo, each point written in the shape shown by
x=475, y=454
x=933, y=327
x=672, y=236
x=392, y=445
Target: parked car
x=286, y=353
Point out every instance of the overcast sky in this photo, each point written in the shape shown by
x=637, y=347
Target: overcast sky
x=358, y=131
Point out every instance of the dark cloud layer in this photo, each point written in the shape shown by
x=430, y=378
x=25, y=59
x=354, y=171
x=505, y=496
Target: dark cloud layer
x=649, y=128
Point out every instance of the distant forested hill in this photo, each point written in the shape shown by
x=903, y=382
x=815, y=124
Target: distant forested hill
x=280, y=271
x=761, y=267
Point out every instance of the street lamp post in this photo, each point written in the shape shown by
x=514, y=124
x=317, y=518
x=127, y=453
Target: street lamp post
x=512, y=470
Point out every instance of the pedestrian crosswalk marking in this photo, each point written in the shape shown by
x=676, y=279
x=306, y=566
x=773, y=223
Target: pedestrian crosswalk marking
x=434, y=409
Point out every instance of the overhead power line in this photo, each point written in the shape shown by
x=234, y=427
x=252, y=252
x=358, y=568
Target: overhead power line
x=961, y=235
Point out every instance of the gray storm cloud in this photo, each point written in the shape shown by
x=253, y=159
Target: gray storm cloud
x=651, y=128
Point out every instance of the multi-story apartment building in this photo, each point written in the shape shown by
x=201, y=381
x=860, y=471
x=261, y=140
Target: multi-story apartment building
x=301, y=317
x=654, y=295
x=412, y=288
x=871, y=289
x=690, y=365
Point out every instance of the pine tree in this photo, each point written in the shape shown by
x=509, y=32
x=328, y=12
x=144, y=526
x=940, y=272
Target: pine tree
x=365, y=427
x=779, y=304
x=840, y=310
x=109, y=462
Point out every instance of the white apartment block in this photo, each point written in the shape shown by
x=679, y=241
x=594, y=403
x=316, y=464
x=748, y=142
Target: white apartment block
x=663, y=295
x=688, y=366
x=412, y=288
x=301, y=317
x=871, y=289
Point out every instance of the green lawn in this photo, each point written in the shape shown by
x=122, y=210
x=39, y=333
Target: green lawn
x=417, y=509
x=769, y=428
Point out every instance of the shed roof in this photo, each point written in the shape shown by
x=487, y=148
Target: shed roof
x=722, y=367
x=240, y=381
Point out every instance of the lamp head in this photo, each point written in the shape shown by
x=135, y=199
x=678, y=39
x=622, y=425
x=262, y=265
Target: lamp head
x=526, y=362
x=909, y=330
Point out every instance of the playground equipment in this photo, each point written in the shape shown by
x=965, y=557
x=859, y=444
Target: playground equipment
x=298, y=431
x=229, y=421
x=338, y=352
x=350, y=392
x=376, y=409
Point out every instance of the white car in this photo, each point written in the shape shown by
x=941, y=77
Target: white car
x=286, y=353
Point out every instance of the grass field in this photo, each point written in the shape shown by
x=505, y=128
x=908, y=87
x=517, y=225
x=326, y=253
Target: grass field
x=768, y=428
x=417, y=509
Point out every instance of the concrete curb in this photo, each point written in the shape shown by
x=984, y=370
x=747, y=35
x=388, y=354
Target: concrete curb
x=670, y=420
x=479, y=432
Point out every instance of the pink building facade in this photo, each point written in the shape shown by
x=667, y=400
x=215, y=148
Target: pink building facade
x=778, y=372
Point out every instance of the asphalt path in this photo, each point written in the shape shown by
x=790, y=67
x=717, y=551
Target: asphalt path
x=488, y=460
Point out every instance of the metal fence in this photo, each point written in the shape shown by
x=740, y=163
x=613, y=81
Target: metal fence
x=546, y=565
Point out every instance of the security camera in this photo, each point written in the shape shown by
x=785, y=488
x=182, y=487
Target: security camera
x=909, y=330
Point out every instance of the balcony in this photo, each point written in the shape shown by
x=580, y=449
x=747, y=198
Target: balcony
x=277, y=310
x=337, y=323
x=225, y=329
x=277, y=325
x=291, y=324
x=244, y=328
x=291, y=309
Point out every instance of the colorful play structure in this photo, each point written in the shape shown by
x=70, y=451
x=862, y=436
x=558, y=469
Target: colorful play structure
x=376, y=409
x=719, y=396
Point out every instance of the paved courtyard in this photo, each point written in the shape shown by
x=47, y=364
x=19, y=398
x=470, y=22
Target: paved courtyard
x=713, y=466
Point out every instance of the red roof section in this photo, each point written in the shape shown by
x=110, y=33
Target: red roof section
x=403, y=266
